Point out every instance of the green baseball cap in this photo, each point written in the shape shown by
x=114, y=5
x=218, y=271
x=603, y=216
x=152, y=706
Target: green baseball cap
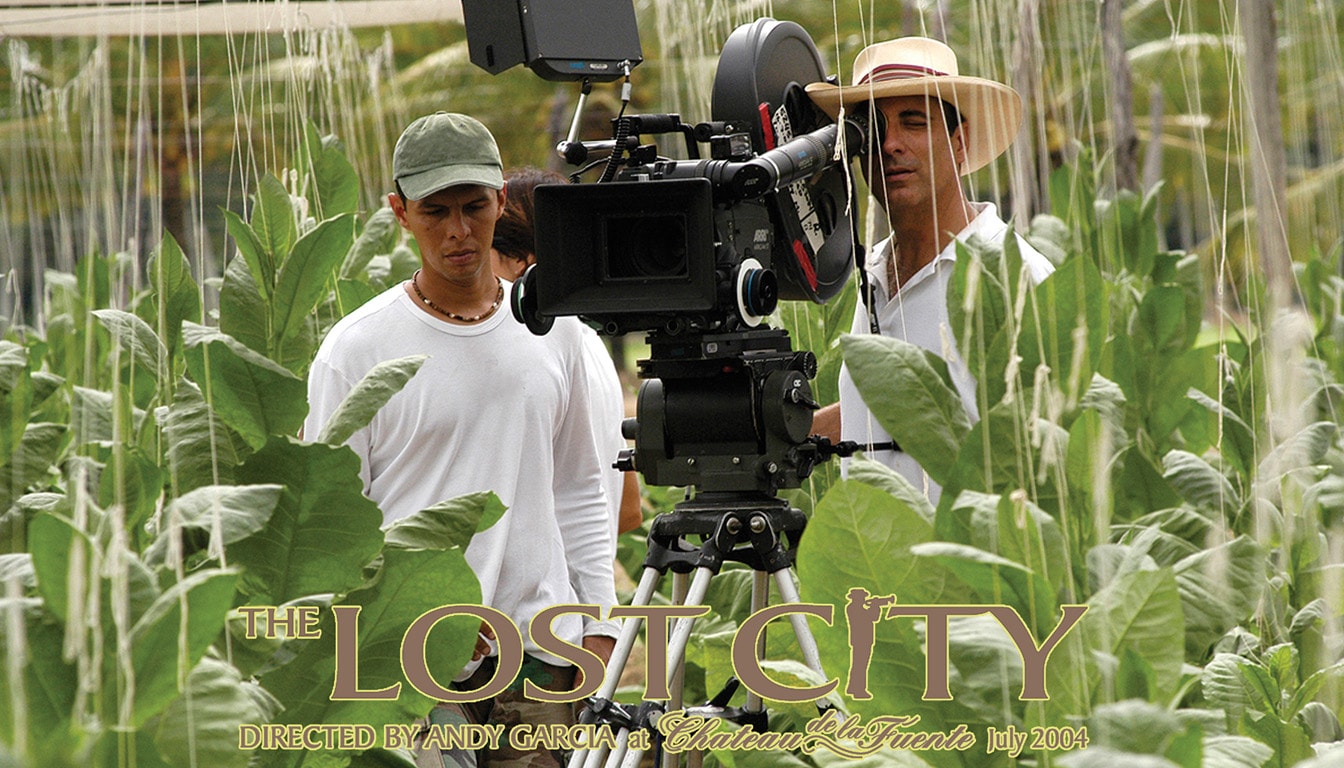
x=444, y=150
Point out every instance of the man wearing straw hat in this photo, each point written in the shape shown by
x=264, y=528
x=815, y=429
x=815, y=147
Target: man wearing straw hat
x=465, y=424
x=934, y=126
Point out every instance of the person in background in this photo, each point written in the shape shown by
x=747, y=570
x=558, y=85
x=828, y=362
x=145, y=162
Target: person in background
x=514, y=246
x=931, y=126
x=494, y=408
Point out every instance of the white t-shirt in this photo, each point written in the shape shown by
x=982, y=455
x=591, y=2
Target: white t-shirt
x=494, y=408
x=918, y=314
x=607, y=413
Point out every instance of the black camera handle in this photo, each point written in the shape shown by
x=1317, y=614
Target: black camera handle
x=846, y=448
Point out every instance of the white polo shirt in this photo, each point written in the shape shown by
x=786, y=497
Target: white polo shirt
x=918, y=314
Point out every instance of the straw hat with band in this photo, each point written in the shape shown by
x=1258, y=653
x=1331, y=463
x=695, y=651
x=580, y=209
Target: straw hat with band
x=919, y=66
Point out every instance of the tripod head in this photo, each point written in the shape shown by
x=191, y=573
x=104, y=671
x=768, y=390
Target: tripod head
x=724, y=412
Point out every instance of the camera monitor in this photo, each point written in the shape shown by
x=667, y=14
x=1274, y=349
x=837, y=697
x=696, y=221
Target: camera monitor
x=554, y=38
x=607, y=248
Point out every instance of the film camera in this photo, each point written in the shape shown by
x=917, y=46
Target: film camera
x=697, y=252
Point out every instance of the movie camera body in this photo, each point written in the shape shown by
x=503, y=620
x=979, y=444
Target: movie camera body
x=697, y=252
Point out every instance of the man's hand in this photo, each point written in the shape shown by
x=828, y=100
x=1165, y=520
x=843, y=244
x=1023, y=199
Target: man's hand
x=826, y=422
x=483, y=639
x=600, y=645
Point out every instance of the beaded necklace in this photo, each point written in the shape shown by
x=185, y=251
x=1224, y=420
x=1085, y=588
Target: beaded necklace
x=499, y=297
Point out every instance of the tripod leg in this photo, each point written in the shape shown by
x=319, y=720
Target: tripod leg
x=681, y=583
x=676, y=657
x=622, y=746
x=806, y=642
x=633, y=759
x=760, y=598
x=681, y=631
x=620, y=656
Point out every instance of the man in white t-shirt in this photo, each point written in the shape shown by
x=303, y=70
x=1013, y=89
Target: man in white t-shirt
x=494, y=408
x=515, y=243
x=934, y=126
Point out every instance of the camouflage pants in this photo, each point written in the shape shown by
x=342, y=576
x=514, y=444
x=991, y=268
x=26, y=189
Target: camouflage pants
x=509, y=709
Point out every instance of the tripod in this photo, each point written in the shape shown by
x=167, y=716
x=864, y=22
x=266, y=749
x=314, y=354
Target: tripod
x=757, y=530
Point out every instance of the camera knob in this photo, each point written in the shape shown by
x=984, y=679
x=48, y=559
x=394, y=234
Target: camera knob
x=757, y=292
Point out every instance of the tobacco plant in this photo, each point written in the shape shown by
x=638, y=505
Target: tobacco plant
x=1132, y=457
x=155, y=482
x=1135, y=454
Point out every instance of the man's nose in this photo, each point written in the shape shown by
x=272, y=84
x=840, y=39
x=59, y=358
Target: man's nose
x=456, y=225
x=893, y=143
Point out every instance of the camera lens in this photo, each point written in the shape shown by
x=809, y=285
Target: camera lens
x=642, y=247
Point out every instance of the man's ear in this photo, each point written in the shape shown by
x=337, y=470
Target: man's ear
x=398, y=207
x=503, y=198
x=959, y=146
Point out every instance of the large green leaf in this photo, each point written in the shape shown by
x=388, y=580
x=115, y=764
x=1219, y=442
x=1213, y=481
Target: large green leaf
x=986, y=668
x=14, y=521
x=1067, y=326
x=243, y=313
x=1013, y=527
x=1305, y=449
x=92, y=415
x=447, y=524
x=371, y=393
x=350, y=295
x=136, y=337
x=1237, y=685
x=252, y=394
x=980, y=299
x=252, y=251
x=16, y=396
x=410, y=583
x=54, y=544
x=909, y=392
x=1134, y=726
x=200, y=727
x=33, y=459
x=201, y=449
x=273, y=221
x=1235, y=752
x=1004, y=452
x=1219, y=589
x=18, y=566
x=216, y=516
x=1161, y=324
x=1200, y=484
x=1091, y=466
x=333, y=185
x=884, y=478
x=173, y=635
x=322, y=533
x=1140, y=610
x=36, y=678
x=860, y=538
x=995, y=580
x=135, y=481
x=379, y=237
x=1129, y=231
x=175, y=295
x=305, y=276
x=1174, y=533
x=1233, y=437
x=1288, y=741
x=1106, y=757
